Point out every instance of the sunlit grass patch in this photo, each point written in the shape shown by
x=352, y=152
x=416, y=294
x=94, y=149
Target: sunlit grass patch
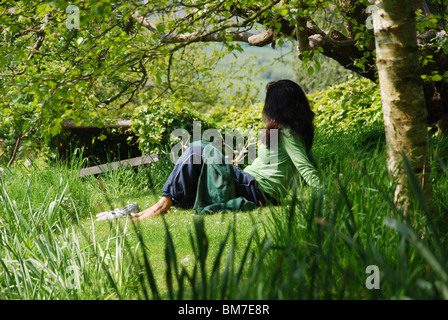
x=316, y=245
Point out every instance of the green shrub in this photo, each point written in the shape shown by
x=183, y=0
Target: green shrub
x=153, y=124
x=348, y=106
x=244, y=123
x=239, y=119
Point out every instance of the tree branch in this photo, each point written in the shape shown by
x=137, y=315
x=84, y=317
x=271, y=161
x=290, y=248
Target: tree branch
x=22, y=33
x=261, y=39
x=41, y=37
x=16, y=148
x=344, y=42
x=303, y=44
x=14, y=74
x=217, y=35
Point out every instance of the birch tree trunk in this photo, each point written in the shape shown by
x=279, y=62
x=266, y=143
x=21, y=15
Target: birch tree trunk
x=403, y=102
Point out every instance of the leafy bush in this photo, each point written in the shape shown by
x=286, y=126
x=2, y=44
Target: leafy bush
x=238, y=119
x=19, y=134
x=153, y=124
x=348, y=106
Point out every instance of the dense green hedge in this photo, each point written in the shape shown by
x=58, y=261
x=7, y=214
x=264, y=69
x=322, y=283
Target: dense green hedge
x=237, y=118
x=153, y=124
x=348, y=106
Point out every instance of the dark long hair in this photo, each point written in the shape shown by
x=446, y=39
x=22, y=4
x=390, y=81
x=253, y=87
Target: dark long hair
x=286, y=105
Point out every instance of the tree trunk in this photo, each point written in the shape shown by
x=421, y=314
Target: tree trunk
x=16, y=148
x=404, y=108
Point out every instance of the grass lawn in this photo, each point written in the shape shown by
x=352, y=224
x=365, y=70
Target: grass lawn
x=317, y=245
x=180, y=223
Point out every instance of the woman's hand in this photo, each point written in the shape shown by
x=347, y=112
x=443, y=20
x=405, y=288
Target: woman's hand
x=162, y=206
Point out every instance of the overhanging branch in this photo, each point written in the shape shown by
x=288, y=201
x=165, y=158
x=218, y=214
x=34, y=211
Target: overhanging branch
x=220, y=34
x=261, y=39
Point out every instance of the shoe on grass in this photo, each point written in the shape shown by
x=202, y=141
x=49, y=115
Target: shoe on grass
x=118, y=212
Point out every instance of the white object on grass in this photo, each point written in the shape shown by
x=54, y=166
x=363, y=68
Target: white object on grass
x=119, y=212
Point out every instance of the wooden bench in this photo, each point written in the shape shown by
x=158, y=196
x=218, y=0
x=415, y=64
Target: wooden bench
x=115, y=165
x=117, y=123
x=110, y=123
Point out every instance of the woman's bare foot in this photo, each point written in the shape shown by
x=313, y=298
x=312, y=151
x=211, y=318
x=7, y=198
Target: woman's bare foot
x=162, y=206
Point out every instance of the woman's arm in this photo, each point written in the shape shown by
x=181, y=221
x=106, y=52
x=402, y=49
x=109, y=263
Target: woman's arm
x=297, y=152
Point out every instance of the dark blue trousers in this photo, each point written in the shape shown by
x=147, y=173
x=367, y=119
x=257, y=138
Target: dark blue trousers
x=182, y=183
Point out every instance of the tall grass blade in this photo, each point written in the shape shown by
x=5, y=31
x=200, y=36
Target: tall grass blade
x=351, y=224
x=171, y=261
x=149, y=273
x=202, y=251
x=244, y=259
x=226, y=273
x=432, y=260
x=421, y=198
x=215, y=276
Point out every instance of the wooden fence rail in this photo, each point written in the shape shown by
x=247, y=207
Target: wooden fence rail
x=115, y=165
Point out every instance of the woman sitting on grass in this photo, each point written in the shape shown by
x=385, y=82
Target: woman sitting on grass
x=289, y=119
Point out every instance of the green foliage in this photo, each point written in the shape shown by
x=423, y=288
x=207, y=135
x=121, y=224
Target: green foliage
x=40, y=258
x=321, y=74
x=316, y=246
x=203, y=75
x=102, y=70
x=155, y=123
x=348, y=107
x=247, y=118
x=344, y=108
x=19, y=133
x=113, y=63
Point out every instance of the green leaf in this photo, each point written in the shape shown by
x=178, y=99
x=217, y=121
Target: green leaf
x=55, y=130
x=310, y=71
x=317, y=64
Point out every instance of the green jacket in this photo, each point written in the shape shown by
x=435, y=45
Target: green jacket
x=284, y=167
